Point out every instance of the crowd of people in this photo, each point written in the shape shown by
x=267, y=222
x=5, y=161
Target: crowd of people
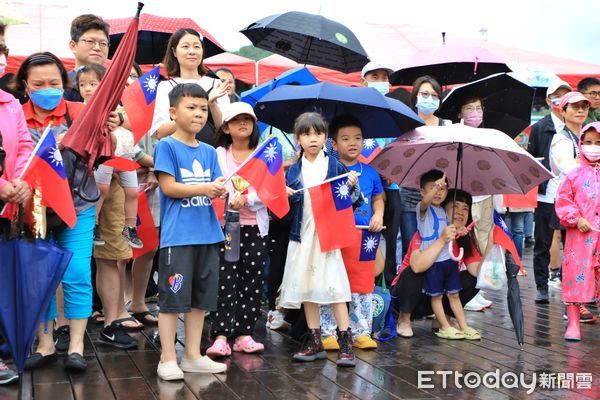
x=201, y=133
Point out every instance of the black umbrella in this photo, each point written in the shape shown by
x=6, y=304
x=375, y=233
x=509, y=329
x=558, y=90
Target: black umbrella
x=513, y=298
x=507, y=102
x=309, y=39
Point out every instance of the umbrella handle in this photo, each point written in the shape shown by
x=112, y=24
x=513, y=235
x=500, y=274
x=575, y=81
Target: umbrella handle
x=461, y=252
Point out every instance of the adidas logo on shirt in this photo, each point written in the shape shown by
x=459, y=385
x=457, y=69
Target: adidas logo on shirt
x=195, y=176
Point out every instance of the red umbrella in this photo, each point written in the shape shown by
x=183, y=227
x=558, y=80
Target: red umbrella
x=154, y=34
x=89, y=136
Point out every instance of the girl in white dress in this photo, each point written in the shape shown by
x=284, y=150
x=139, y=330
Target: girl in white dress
x=311, y=276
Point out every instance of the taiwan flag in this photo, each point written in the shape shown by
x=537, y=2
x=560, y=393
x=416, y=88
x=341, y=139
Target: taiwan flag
x=138, y=100
x=370, y=150
x=503, y=238
x=45, y=171
x=145, y=227
x=359, y=260
x=333, y=214
x=264, y=171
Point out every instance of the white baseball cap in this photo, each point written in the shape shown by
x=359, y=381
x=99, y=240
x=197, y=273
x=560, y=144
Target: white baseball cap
x=374, y=65
x=557, y=84
x=232, y=110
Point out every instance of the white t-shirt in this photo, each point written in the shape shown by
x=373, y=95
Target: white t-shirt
x=161, y=107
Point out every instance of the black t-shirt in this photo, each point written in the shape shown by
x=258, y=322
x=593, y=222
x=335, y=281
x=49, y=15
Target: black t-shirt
x=72, y=93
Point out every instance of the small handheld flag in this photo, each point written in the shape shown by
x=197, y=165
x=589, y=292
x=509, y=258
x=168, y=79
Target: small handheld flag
x=503, y=238
x=138, y=100
x=370, y=150
x=359, y=260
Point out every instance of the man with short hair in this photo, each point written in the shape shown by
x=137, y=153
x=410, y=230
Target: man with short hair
x=89, y=44
x=590, y=88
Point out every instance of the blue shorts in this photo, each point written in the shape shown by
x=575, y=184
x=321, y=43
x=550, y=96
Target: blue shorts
x=442, y=277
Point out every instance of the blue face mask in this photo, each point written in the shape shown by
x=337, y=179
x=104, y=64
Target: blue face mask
x=382, y=87
x=47, y=99
x=427, y=105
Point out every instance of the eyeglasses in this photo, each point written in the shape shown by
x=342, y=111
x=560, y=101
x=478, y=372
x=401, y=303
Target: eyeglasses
x=580, y=106
x=426, y=95
x=593, y=94
x=3, y=49
x=133, y=75
x=473, y=108
x=91, y=43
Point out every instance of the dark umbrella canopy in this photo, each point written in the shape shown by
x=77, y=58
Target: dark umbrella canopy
x=309, y=39
x=507, y=102
x=153, y=36
x=513, y=298
x=31, y=272
x=89, y=136
x=380, y=116
x=450, y=64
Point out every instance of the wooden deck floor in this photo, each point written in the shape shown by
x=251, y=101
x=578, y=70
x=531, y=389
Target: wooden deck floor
x=390, y=372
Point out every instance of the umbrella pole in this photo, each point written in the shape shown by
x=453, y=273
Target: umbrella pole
x=459, y=155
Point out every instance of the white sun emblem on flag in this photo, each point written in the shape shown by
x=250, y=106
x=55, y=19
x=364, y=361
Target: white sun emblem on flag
x=271, y=153
x=342, y=191
x=370, y=244
x=54, y=156
x=151, y=83
x=369, y=144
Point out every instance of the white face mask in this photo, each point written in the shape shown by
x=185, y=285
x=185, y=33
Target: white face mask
x=382, y=87
x=591, y=152
x=2, y=63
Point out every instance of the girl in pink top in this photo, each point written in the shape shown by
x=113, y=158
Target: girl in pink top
x=578, y=208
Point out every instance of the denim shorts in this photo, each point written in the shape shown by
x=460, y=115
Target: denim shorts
x=442, y=277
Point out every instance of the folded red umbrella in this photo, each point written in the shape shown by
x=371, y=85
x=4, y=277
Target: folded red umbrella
x=89, y=136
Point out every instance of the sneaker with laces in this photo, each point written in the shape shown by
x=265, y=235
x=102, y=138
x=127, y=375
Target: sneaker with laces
x=555, y=279
x=131, y=237
x=114, y=335
x=482, y=300
x=62, y=338
x=473, y=305
x=275, y=320
x=7, y=375
x=169, y=371
x=98, y=241
x=203, y=365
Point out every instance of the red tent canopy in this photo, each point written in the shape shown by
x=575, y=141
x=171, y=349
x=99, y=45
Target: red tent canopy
x=243, y=68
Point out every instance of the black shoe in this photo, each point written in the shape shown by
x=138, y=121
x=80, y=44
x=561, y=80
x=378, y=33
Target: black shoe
x=529, y=242
x=37, y=360
x=114, y=335
x=131, y=237
x=62, y=339
x=75, y=362
x=542, y=296
x=98, y=241
x=7, y=375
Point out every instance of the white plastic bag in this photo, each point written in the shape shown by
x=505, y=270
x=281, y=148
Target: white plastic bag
x=492, y=274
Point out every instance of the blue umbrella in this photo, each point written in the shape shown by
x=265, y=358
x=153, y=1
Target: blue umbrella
x=296, y=76
x=380, y=116
x=31, y=272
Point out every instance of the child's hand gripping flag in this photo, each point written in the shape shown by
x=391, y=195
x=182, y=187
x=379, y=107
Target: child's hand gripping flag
x=503, y=238
x=264, y=171
x=138, y=100
x=359, y=260
x=370, y=150
x=46, y=172
x=333, y=213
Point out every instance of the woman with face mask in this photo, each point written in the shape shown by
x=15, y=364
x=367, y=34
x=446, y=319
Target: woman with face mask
x=43, y=77
x=471, y=113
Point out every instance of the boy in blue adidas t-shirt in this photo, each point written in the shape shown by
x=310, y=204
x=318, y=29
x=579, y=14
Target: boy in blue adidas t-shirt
x=347, y=141
x=189, y=177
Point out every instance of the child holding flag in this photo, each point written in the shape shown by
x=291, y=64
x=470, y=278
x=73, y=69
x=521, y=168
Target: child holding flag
x=314, y=270
x=189, y=177
x=238, y=306
x=346, y=132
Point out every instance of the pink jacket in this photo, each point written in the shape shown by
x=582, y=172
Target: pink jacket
x=16, y=142
x=578, y=197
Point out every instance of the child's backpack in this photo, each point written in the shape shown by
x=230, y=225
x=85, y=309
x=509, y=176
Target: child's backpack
x=383, y=318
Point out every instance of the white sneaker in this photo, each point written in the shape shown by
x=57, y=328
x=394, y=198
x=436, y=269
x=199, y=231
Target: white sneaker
x=483, y=301
x=203, y=365
x=169, y=371
x=474, y=305
x=275, y=320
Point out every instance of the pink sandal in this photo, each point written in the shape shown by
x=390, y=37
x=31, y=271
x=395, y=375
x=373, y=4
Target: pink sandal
x=219, y=348
x=247, y=345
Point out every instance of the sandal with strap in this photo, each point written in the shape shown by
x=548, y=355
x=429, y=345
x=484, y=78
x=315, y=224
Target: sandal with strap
x=247, y=345
x=130, y=328
x=219, y=348
x=450, y=333
x=142, y=317
x=471, y=334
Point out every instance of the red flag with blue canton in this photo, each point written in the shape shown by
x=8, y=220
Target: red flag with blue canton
x=145, y=227
x=46, y=172
x=264, y=171
x=370, y=150
x=359, y=260
x=138, y=101
x=333, y=214
x=503, y=238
